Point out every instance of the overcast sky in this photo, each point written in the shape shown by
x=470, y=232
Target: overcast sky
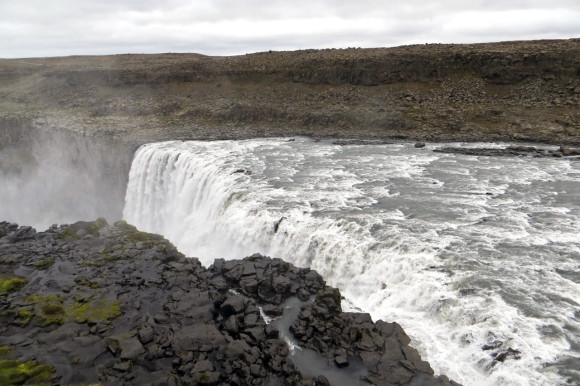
x=32, y=28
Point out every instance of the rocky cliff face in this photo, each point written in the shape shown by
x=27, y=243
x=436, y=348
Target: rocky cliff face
x=500, y=91
x=94, y=303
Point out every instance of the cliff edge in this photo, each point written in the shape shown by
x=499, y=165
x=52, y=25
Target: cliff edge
x=511, y=91
x=96, y=303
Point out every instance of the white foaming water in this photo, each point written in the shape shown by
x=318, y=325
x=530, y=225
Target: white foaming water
x=463, y=251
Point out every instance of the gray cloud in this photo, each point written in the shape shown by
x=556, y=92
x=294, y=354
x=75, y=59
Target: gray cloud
x=218, y=27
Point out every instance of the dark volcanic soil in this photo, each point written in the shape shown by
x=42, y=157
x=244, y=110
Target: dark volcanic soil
x=528, y=90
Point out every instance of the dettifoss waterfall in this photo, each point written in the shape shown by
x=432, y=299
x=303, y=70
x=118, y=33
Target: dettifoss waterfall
x=473, y=256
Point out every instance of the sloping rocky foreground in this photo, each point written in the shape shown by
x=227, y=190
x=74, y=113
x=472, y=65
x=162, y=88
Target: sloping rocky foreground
x=91, y=302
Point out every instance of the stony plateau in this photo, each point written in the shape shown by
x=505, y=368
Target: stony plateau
x=526, y=90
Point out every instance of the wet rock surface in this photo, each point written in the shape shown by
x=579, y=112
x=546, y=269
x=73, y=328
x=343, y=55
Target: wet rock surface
x=97, y=303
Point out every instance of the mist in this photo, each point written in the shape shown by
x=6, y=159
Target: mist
x=49, y=177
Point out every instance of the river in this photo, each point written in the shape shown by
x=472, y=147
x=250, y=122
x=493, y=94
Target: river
x=478, y=258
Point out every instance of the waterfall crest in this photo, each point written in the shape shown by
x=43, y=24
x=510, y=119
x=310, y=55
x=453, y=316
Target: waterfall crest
x=432, y=241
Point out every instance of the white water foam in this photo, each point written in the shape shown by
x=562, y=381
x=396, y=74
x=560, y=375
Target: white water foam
x=463, y=251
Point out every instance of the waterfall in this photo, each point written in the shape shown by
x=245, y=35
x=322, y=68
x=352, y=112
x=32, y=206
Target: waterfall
x=425, y=239
x=199, y=203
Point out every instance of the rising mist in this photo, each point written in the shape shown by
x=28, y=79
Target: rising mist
x=51, y=177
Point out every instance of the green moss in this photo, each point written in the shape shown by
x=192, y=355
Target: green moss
x=85, y=282
x=56, y=320
x=91, y=228
x=93, y=311
x=13, y=372
x=51, y=307
x=11, y=285
x=4, y=350
x=44, y=264
x=68, y=233
x=55, y=310
x=44, y=299
x=103, y=261
x=142, y=236
x=99, y=223
x=122, y=224
x=24, y=316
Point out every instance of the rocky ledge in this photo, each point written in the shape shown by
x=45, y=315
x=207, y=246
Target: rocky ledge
x=97, y=303
x=564, y=152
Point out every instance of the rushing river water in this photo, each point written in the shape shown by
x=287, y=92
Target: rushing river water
x=474, y=256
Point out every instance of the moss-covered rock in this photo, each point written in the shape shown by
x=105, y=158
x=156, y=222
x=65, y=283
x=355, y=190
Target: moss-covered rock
x=44, y=264
x=24, y=316
x=136, y=237
x=49, y=308
x=58, y=310
x=11, y=285
x=14, y=372
x=122, y=224
x=93, y=311
x=81, y=229
x=68, y=233
x=86, y=282
x=117, y=305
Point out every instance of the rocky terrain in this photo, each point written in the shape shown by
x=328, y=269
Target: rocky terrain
x=564, y=152
x=95, y=303
x=99, y=303
x=514, y=91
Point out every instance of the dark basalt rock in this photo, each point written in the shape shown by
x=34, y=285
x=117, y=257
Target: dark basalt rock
x=514, y=151
x=99, y=303
x=501, y=356
x=277, y=224
x=242, y=171
x=353, y=142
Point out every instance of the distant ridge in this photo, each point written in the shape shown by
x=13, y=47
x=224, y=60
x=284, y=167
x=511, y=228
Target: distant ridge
x=522, y=91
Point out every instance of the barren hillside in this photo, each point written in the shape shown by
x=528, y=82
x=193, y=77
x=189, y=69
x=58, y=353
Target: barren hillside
x=527, y=90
